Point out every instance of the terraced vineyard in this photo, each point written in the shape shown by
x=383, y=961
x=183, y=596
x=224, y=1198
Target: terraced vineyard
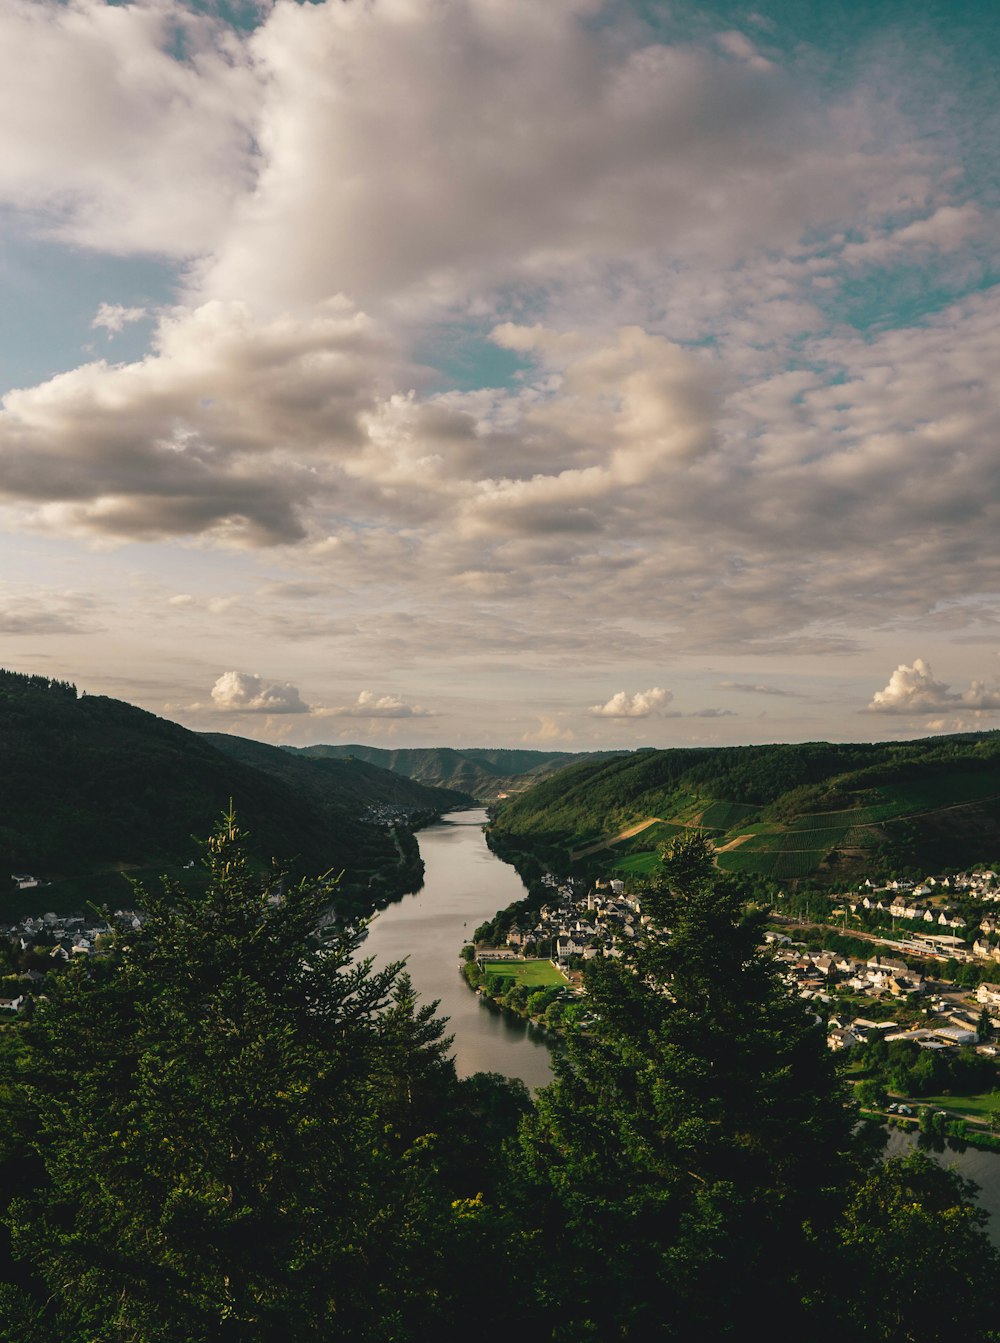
x=727, y=815
x=784, y=812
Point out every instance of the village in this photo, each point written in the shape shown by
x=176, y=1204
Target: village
x=860, y=998
x=39, y=943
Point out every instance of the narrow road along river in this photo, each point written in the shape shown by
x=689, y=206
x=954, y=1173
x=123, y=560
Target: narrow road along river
x=464, y=884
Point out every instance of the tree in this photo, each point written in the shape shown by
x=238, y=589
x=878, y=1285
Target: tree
x=695, y=1146
x=914, y=1250
x=236, y=1127
x=870, y=1094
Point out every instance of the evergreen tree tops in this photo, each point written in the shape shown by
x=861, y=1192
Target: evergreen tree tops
x=701, y=1147
x=235, y=1129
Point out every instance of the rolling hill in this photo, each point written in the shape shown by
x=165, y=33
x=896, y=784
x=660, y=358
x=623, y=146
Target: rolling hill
x=785, y=812
x=483, y=772
x=92, y=787
x=350, y=782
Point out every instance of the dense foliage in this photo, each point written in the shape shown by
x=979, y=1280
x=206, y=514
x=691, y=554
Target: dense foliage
x=698, y=1145
x=233, y=1130
x=239, y=1131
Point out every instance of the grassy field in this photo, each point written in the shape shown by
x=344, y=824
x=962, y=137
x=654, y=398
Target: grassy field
x=976, y=1107
x=534, y=974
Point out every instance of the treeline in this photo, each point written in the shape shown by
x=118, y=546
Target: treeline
x=483, y=772
x=234, y=1131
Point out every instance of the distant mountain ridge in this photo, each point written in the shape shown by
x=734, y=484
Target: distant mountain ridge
x=813, y=810
x=344, y=781
x=483, y=772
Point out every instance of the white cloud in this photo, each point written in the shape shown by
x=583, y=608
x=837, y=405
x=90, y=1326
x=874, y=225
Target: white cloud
x=114, y=317
x=549, y=732
x=641, y=704
x=372, y=705
x=109, y=137
x=693, y=454
x=229, y=427
x=947, y=229
x=913, y=689
x=32, y=612
x=240, y=692
x=426, y=154
x=747, y=688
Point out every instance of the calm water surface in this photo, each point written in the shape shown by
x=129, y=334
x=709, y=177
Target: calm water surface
x=464, y=884
x=972, y=1164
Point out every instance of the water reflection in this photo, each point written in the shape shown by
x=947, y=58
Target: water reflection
x=971, y=1162
x=464, y=884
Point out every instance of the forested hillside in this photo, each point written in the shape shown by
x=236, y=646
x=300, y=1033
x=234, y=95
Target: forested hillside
x=92, y=785
x=343, y=781
x=483, y=772
x=783, y=811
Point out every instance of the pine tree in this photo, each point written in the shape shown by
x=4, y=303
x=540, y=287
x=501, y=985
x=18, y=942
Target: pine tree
x=236, y=1119
x=694, y=1142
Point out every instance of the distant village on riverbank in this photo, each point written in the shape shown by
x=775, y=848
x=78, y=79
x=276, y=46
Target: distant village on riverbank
x=918, y=936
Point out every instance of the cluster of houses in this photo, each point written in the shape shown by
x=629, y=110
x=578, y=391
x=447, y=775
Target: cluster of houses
x=569, y=925
x=953, y=1029
x=982, y=884
x=811, y=974
x=906, y=905
x=386, y=813
x=62, y=938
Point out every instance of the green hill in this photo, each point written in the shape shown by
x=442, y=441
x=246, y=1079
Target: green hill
x=92, y=787
x=343, y=781
x=482, y=772
x=814, y=810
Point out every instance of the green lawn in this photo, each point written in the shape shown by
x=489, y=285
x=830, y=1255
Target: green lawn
x=534, y=974
x=977, y=1107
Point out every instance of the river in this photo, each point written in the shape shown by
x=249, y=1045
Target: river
x=464, y=884
x=973, y=1164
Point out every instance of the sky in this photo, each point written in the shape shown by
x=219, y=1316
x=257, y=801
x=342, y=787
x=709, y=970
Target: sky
x=494, y=372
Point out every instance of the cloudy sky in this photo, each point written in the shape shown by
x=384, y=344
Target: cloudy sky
x=501, y=372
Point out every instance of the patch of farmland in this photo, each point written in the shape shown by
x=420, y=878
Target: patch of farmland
x=797, y=863
x=650, y=838
x=726, y=815
x=825, y=839
x=637, y=864
x=826, y=820
x=738, y=860
x=860, y=837
x=768, y=840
